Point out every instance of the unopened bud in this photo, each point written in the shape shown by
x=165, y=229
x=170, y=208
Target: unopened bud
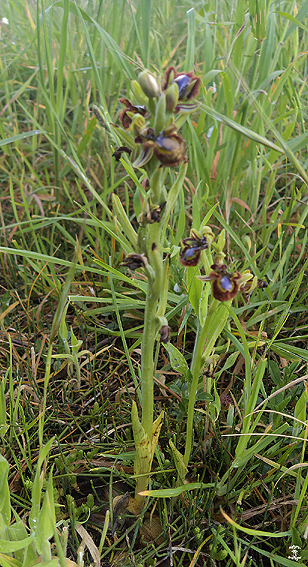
x=164, y=334
x=148, y=84
x=172, y=97
x=138, y=93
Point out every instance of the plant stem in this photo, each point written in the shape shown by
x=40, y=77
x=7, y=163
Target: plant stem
x=150, y=243
x=147, y=351
x=205, y=341
x=196, y=367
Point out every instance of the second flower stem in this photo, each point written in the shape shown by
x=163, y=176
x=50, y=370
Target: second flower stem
x=207, y=335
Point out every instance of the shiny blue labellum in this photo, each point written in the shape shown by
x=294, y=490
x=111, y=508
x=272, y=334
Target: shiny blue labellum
x=182, y=81
x=226, y=283
x=190, y=256
x=190, y=252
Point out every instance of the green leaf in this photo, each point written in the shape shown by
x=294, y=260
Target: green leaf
x=177, y=360
x=146, y=11
x=215, y=405
x=120, y=59
x=23, y=136
x=6, y=561
x=254, y=136
x=289, y=352
x=296, y=22
x=249, y=531
x=194, y=286
x=87, y=136
x=258, y=10
x=47, y=516
x=11, y=546
x=37, y=485
x=228, y=93
x=5, y=504
x=190, y=51
x=174, y=492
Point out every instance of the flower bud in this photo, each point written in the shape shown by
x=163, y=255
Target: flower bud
x=207, y=232
x=148, y=84
x=164, y=334
x=220, y=243
x=138, y=93
x=172, y=97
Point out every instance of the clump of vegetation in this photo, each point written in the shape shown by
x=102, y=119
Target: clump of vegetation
x=153, y=358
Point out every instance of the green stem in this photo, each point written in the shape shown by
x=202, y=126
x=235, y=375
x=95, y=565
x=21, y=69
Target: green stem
x=150, y=243
x=205, y=342
x=46, y=382
x=147, y=352
x=196, y=367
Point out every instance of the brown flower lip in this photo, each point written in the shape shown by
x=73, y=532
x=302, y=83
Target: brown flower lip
x=119, y=151
x=134, y=261
x=261, y=284
x=168, y=146
x=190, y=255
x=225, y=286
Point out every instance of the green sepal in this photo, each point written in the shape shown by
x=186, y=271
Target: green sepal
x=181, y=119
x=145, y=154
x=160, y=115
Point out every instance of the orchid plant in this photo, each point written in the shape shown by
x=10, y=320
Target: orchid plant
x=151, y=138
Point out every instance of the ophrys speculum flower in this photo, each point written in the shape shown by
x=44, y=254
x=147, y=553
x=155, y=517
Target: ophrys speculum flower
x=187, y=83
x=193, y=246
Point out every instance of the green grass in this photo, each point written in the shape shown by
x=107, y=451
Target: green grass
x=247, y=148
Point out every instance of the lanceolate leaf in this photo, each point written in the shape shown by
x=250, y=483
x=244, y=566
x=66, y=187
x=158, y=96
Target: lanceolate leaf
x=177, y=360
x=174, y=492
